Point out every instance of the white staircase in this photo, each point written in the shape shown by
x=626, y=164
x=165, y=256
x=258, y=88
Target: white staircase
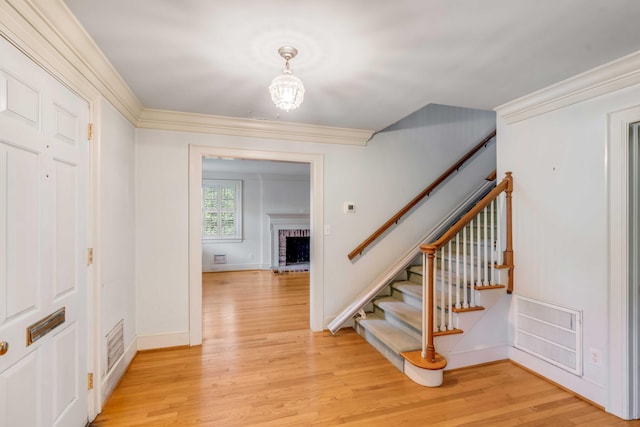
x=469, y=299
x=393, y=322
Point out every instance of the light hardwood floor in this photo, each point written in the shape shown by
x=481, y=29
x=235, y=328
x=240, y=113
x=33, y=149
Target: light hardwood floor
x=261, y=365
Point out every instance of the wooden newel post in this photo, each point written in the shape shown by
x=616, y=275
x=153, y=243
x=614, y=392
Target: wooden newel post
x=508, y=252
x=431, y=349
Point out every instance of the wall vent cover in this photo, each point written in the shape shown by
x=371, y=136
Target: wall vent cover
x=550, y=332
x=115, y=345
x=220, y=259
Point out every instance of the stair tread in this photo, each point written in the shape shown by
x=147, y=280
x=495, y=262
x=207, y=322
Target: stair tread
x=408, y=287
x=390, y=335
x=403, y=311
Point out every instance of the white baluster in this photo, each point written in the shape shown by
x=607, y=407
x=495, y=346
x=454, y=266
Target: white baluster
x=493, y=244
x=473, y=251
x=499, y=251
x=435, y=297
x=450, y=291
x=479, y=257
x=465, y=304
x=443, y=287
x=458, y=275
x=485, y=264
x=425, y=301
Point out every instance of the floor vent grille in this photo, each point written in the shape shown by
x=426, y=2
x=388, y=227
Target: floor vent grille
x=115, y=345
x=550, y=332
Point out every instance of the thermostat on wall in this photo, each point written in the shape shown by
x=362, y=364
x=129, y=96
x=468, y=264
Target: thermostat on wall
x=349, y=207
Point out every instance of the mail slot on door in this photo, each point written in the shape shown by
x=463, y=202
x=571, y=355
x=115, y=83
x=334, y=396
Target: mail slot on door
x=44, y=326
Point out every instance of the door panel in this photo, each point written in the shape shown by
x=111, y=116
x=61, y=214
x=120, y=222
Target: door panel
x=43, y=219
x=18, y=100
x=66, y=262
x=18, y=392
x=22, y=202
x=66, y=375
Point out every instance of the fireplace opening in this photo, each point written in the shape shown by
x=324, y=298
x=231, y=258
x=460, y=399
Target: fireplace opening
x=297, y=250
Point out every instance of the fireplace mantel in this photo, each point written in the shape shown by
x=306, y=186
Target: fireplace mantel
x=290, y=219
x=279, y=222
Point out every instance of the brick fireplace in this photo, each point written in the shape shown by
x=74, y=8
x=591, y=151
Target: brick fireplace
x=296, y=229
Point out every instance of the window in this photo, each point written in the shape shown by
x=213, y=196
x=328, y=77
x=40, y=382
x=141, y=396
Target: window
x=221, y=209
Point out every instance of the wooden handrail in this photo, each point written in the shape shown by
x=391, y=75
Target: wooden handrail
x=424, y=193
x=429, y=251
x=505, y=185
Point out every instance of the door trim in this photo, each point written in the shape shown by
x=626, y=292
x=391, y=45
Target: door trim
x=316, y=161
x=621, y=328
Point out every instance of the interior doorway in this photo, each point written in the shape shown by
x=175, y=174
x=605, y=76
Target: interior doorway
x=316, y=220
x=254, y=213
x=623, y=177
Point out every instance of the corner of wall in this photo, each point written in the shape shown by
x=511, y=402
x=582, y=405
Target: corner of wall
x=111, y=380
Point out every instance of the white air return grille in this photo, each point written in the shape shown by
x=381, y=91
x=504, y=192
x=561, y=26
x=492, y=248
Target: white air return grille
x=550, y=332
x=115, y=345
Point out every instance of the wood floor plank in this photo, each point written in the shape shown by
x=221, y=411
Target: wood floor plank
x=260, y=364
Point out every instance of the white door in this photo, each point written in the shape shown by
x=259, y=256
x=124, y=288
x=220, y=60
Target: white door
x=43, y=235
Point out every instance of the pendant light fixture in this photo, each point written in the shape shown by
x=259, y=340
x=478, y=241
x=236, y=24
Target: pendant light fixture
x=287, y=91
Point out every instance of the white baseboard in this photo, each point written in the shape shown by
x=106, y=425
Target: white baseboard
x=231, y=267
x=591, y=391
x=110, y=381
x=475, y=356
x=150, y=342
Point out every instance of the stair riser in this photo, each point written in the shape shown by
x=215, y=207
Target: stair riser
x=409, y=299
x=395, y=359
x=414, y=277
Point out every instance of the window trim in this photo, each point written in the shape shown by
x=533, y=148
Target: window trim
x=238, y=237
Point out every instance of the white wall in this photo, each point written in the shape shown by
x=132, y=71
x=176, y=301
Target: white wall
x=558, y=160
x=282, y=195
x=262, y=194
x=116, y=250
x=380, y=178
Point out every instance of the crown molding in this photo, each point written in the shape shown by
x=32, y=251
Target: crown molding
x=47, y=32
x=615, y=75
x=220, y=125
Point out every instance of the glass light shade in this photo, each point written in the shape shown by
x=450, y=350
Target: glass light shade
x=287, y=91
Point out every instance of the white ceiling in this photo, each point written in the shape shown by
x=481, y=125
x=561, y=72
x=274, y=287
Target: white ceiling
x=365, y=63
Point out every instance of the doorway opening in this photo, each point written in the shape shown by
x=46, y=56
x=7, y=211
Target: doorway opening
x=315, y=215
x=623, y=176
